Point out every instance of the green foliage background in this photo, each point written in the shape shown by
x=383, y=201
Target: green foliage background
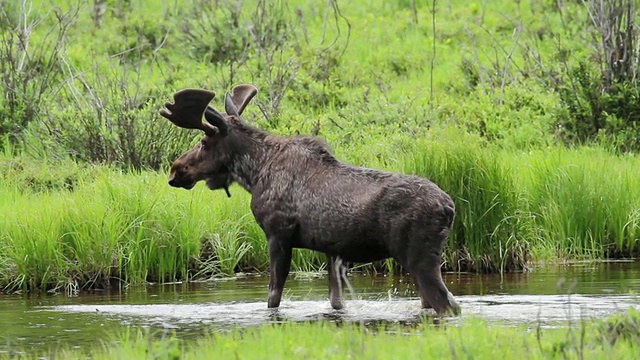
x=86, y=78
x=505, y=104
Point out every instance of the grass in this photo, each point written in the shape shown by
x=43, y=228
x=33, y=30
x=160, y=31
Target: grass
x=493, y=229
x=115, y=227
x=516, y=207
x=614, y=337
x=473, y=95
x=585, y=203
x=513, y=208
x=117, y=69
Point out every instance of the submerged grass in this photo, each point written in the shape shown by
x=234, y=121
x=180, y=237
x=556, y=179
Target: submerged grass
x=615, y=338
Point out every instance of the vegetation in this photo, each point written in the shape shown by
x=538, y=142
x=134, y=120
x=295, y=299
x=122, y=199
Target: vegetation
x=525, y=112
x=615, y=337
x=101, y=225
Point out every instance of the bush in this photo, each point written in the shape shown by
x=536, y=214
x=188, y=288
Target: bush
x=213, y=32
x=593, y=114
x=29, y=62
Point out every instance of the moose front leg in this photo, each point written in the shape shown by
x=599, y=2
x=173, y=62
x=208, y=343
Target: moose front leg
x=280, y=263
x=335, y=268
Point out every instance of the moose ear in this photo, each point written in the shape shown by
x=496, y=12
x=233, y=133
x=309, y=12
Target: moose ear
x=216, y=119
x=239, y=98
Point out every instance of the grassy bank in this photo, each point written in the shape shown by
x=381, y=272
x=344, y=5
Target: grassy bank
x=616, y=337
x=102, y=226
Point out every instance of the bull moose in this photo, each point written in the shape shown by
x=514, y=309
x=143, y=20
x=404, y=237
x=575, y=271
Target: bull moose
x=303, y=197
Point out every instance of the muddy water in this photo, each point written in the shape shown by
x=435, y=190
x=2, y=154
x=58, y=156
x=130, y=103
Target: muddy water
x=546, y=296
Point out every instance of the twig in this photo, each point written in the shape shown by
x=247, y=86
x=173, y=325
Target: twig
x=433, y=47
x=337, y=16
x=518, y=31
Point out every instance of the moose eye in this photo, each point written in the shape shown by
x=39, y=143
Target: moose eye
x=203, y=143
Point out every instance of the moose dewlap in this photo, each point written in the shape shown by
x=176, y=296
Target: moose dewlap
x=303, y=197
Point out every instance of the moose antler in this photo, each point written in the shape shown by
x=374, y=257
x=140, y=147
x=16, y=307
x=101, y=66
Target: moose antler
x=188, y=107
x=237, y=100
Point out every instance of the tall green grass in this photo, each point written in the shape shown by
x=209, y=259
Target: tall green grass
x=493, y=229
x=114, y=228
x=586, y=202
x=549, y=203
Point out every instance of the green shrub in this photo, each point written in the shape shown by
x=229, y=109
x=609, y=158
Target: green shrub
x=592, y=114
x=214, y=32
x=29, y=62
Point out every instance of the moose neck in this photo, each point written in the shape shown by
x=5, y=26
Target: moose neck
x=248, y=145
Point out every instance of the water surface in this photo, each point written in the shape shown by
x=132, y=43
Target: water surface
x=546, y=297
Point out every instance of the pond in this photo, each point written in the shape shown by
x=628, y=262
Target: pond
x=546, y=296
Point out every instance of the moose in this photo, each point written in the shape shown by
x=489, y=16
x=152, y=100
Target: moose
x=304, y=197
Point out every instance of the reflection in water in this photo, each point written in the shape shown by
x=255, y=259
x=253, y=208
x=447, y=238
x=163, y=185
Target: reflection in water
x=539, y=297
x=583, y=278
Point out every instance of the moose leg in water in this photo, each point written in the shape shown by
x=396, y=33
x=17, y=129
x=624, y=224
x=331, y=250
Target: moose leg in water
x=280, y=263
x=431, y=288
x=425, y=303
x=424, y=263
x=335, y=268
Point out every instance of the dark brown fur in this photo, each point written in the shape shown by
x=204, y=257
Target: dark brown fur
x=303, y=197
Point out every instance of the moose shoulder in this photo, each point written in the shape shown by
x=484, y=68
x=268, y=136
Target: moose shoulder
x=303, y=197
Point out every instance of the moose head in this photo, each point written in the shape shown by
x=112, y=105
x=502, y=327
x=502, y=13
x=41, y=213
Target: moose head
x=210, y=159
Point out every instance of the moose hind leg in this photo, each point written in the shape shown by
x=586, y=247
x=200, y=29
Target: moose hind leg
x=335, y=269
x=280, y=264
x=425, y=270
x=425, y=303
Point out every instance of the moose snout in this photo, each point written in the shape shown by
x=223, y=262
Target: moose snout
x=179, y=182
x=175, y=180
x=172, y=179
